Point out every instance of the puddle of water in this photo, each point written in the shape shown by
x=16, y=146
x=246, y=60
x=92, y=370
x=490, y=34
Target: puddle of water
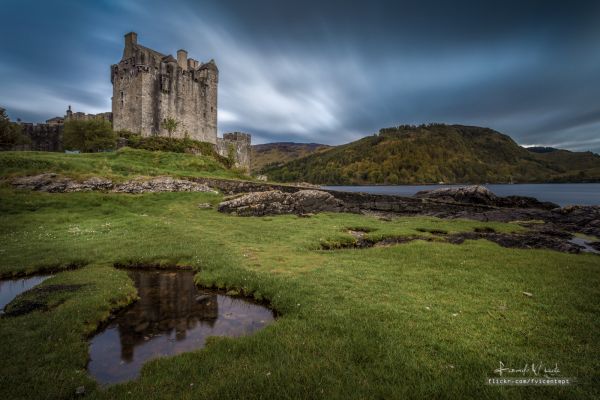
x=11, y=288
x=583, y=243
x=171, y=317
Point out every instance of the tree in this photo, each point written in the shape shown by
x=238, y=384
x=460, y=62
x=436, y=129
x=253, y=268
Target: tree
x=170, y=124
x=89, y=136
x=11, y=134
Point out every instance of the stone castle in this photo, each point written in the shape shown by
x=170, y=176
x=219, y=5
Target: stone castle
x=149, y=88
x=157, y=95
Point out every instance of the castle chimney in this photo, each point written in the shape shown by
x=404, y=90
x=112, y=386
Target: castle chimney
x=130, y=41
x=192, y=64
x=182, y=59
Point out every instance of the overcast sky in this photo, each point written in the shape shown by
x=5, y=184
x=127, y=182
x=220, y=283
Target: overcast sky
x=327, y=71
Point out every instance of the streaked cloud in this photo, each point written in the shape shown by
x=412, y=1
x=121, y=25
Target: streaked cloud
x=327, y=72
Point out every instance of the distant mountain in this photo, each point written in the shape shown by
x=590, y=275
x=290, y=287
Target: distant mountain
x=437, y=153
x=282, y=152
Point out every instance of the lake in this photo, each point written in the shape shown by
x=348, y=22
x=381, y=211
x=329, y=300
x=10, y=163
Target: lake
x=560, y=193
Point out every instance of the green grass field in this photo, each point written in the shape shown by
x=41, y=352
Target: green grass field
x=415, y=320
x=123, y=164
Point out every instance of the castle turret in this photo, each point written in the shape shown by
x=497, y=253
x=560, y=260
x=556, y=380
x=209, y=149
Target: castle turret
x=192, y=64
x=130, y=42
x=182, y=59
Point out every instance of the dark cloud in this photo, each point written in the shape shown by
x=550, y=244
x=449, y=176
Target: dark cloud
x=328, y=71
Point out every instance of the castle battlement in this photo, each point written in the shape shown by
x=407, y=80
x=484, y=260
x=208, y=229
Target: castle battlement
x=150, y=88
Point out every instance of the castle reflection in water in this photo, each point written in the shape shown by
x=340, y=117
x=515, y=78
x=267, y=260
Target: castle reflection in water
x=167, y=304
x=170, y=317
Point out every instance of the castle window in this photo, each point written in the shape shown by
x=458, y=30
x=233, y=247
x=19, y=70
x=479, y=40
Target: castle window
x=212, y=109
x=204, y=114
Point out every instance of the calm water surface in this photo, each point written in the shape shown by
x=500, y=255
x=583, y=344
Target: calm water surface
x=11, y=288
x=560, y=193
x=171, y=317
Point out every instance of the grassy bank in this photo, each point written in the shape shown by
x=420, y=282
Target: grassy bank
x=417, y=320
x=119, y=165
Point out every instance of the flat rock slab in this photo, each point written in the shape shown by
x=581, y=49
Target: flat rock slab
x=276, y=202
x=54, y=183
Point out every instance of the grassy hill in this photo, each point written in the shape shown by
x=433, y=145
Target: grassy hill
x=282, y=152
x=437, y=153
x=120, y=165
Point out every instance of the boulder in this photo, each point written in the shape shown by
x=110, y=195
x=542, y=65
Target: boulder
x=474, y=194
x=275, y=202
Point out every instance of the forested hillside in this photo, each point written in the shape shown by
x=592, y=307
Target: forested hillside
x=437, y=153
x=274, y=154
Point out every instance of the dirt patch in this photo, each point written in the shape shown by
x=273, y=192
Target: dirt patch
x=38, y=299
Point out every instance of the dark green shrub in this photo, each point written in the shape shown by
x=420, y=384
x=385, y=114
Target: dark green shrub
x=11, y=134
x=89, y=136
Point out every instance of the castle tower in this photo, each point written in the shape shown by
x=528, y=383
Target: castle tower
x=150, y=88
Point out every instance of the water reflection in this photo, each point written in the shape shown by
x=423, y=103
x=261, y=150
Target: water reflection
x=172, y=316
x=11, y=288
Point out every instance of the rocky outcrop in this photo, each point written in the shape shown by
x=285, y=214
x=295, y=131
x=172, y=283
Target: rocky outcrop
x=583, y=219
x=54, y=183
x=477, y=194
x=466, y=194
x=525, y=202
x=231, y=187
x=532, y=240
x=160, y=184
x=537, y=239
x=276, y=202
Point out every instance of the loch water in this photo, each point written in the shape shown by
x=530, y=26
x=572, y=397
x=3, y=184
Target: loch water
x=560, y=193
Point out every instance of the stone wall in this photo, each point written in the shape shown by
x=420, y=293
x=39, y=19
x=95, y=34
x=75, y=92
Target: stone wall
x=44, y=137
x=238, y=146
x=149, y=88
x=81, y=116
